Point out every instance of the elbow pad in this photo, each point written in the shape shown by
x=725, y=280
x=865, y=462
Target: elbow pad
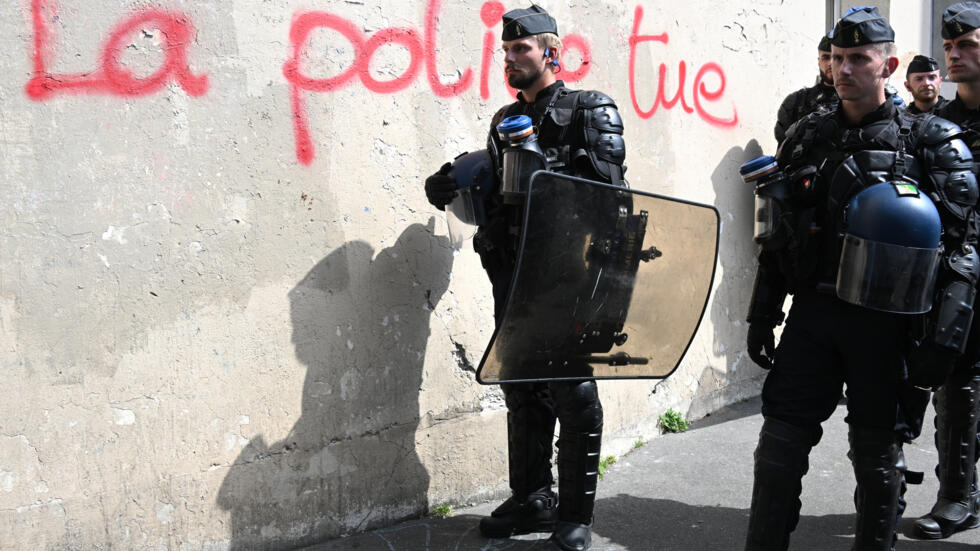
x=954, y=315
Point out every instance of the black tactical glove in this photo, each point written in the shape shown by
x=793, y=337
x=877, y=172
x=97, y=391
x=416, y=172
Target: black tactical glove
x=930, y=364
x=440, y=188
x=761, y=343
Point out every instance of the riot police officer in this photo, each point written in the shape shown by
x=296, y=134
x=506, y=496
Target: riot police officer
x=957, y=402
x=581, y=133
x=922, y=80
x=807, y=100
x=852, y=310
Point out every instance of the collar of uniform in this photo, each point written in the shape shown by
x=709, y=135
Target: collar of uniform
x=884, y=111
x=914, y=109
x=819, y=83
x=545, y=93
x=957, y=106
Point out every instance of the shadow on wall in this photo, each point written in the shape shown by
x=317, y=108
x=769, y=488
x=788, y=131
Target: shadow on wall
x=361, y=327
x=737, y=256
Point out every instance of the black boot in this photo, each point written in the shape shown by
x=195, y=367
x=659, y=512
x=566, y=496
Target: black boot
x=876, y=456
x=579, y=444
x=537, y=512
x=781, y=460
x=533, y=507
x=958, y=505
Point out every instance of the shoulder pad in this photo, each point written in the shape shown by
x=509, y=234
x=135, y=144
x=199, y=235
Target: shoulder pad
x=590, y=99
x=934, y=130
x=814, y=120
x=790, y=98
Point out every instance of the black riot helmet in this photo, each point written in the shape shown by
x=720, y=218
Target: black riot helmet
x=473, y=173
x=891, y=250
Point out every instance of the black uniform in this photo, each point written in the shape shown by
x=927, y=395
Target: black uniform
x=828, y=344
x=581, y=133
x=935, y=108
x=801, y=103
x=957, y=402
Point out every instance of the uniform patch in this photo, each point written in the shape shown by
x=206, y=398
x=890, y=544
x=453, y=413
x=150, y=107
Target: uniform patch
x=906, y=190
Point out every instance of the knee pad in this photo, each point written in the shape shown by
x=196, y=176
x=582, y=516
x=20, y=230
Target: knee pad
x=577, y=404
x=876, y=455
x=785, y=446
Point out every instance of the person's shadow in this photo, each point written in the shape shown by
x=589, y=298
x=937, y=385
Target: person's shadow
x=360, y=326
x=666, y=525
x=737, y=254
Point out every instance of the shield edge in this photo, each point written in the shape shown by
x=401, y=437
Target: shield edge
x=517, y=269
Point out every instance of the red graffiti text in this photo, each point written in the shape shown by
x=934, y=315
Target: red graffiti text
x=112, y=77
x=422, y=49
x=700, y=90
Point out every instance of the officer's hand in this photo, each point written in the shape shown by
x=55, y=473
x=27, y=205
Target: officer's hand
x=929, y=365
x=761, y=344
x=440, y=188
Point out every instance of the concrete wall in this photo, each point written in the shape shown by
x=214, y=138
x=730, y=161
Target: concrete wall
x=228, y=316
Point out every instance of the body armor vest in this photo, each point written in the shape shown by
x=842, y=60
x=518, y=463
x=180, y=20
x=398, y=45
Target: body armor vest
x=831, y=165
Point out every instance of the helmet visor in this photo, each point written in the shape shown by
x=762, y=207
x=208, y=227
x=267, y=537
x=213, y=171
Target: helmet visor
x=463, y=214
x=887, y=277
x=764, y=218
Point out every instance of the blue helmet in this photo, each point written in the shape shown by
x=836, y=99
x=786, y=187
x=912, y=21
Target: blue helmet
x=896, y=213
x=890, y=257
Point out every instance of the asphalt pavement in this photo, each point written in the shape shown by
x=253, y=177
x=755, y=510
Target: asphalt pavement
x=691, y=492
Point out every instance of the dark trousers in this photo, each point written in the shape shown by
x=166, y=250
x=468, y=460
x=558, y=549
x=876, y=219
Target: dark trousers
x=828, y=344
x=826, y=347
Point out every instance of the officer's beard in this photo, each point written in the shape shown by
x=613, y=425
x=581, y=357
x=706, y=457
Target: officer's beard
x=523, y=81
x=827, y=78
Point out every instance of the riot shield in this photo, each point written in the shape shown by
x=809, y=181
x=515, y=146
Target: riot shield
x=610, y=283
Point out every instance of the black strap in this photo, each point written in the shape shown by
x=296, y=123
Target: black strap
x=904, y=136
x=551, y=104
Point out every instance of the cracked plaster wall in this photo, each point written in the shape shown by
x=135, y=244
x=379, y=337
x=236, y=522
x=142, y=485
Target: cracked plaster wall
x=207, y=344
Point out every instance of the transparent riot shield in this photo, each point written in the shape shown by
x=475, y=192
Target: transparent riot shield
x=610, y=283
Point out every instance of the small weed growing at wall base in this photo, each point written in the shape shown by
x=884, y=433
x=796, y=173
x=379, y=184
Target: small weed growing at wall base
x=672, y=421
x=442, y=511
x=605, y=464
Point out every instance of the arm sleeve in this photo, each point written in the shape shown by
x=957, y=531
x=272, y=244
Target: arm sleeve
x=768, y=291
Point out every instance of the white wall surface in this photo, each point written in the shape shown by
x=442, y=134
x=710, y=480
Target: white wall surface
x=228, y=316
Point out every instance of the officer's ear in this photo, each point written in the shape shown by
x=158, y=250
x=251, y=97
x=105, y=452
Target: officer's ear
x=890, y=65
x=907, y=87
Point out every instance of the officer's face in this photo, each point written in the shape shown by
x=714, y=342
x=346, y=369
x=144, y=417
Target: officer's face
x=860, y=72
x=524, y=62
x=963, y=57
x=924, y=86
x=824, y=62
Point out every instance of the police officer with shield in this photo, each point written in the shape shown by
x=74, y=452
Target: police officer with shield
x=578, y=133
x=807, y=100
x=957, y=401
x=866, y=227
